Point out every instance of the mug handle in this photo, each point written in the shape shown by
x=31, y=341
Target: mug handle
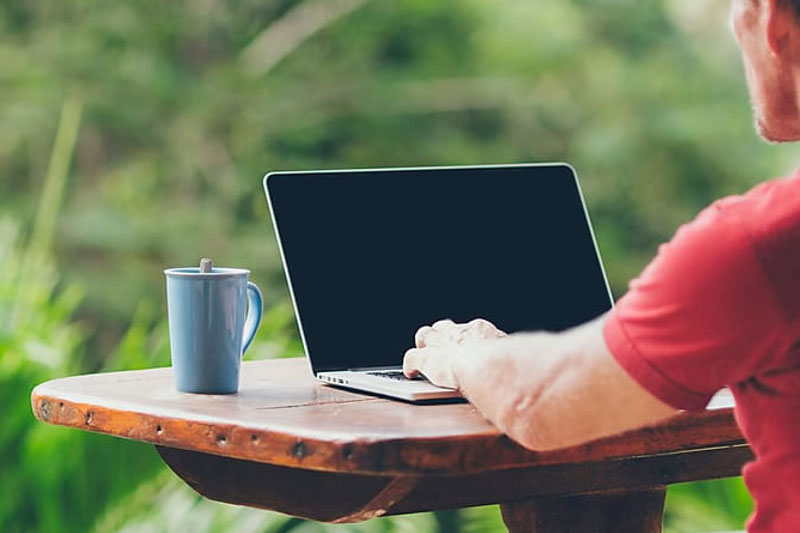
x=255, y=305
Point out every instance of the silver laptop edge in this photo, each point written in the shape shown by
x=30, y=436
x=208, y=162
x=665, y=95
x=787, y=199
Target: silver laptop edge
x=411, y=390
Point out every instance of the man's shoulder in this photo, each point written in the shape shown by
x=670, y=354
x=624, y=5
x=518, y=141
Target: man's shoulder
x=769, y=217
x=769, y=207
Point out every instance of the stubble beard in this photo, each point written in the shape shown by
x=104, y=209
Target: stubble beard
x=763, y=129
x=770, y=134
x=777, y=119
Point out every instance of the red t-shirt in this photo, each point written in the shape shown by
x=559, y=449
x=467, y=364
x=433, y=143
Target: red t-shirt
x=720, y=306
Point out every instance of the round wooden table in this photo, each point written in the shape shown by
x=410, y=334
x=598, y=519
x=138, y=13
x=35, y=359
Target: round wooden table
x=288, y=443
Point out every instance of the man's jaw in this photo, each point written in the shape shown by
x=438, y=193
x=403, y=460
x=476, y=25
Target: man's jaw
x=772, y=134
x=778, y=124
x=774, y=101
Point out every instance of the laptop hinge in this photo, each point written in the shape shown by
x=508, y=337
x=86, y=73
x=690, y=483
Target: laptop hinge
x=375, y=368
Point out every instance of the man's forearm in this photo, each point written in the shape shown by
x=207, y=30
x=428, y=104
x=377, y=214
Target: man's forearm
x=511, y=380
x=550, y=391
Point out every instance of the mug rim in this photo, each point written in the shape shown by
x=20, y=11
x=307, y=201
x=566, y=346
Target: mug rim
x=216, y=272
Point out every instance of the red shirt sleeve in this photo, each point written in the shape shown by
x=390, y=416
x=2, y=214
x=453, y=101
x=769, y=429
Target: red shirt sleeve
x=711, y=309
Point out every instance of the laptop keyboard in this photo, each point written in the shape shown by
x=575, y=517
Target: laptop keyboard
x=396, y=375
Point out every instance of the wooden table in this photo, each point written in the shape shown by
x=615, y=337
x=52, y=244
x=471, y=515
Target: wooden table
x=290, y=444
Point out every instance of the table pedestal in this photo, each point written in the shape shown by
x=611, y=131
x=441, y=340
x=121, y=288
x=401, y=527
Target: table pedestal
x=637, y=511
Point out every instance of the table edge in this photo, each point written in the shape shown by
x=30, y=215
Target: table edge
x=391, y=456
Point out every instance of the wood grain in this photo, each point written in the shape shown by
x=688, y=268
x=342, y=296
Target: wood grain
x=282, y=416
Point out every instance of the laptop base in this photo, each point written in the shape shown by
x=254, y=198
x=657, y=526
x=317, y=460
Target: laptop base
x=409, y=390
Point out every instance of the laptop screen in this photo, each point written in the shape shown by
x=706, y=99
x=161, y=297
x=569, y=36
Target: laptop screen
x=373, y=255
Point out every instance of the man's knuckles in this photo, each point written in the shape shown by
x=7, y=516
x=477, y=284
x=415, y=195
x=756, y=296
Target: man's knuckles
x=421, y=336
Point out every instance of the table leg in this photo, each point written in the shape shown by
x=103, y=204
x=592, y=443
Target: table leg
x=638, y=511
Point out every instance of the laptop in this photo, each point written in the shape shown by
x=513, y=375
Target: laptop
x=372, y=255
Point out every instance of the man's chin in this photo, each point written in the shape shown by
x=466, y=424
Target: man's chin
x=777, y=134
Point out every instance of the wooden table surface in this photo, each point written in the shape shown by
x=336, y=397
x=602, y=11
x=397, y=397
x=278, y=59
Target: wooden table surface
x=285, y=427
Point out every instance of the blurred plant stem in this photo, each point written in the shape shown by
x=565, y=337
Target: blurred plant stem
x=286, y=34
x=35, y=262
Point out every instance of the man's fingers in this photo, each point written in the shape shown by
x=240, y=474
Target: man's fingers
x=484, y=328
x=421, y=335
x=446, y=332
x=412, y=361
x=432, y=363
x=479, y=328
x=435, y=334
x=443, y=324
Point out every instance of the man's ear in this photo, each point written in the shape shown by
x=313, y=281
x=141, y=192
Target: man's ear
x=781, y=25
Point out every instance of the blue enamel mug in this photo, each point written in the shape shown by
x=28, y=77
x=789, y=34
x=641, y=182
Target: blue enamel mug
x=213, y=317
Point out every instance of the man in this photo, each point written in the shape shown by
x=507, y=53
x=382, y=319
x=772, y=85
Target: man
x=718, y=306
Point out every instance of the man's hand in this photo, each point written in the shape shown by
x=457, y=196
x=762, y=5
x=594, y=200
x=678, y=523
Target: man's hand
x=544, y=390
x=441, y=346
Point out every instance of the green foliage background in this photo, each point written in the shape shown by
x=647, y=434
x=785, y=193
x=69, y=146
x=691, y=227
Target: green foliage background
x=133, y=136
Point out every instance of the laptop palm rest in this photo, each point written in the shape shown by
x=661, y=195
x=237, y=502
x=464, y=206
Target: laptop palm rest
x=413, y=390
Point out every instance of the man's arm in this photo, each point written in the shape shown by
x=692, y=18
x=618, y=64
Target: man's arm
x=544, y=390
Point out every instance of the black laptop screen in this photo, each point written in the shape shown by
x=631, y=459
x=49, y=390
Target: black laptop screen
x=374, y=255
